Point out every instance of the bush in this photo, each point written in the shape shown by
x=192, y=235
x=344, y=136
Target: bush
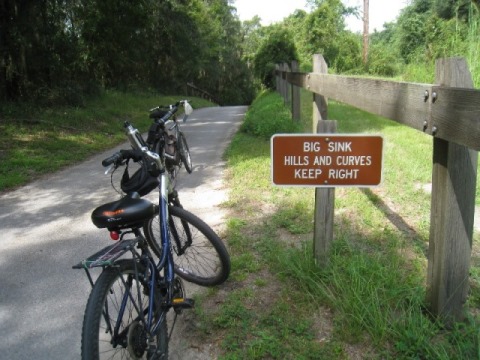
x=277, y=48
x=261, y=123
x=384, y=61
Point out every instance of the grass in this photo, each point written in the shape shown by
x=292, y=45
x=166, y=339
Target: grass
x=368, y=302
x=36, y=141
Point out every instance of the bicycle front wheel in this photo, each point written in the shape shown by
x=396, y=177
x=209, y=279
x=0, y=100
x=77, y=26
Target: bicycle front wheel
x=184, y=153
x=199, y=254
x=114, y=322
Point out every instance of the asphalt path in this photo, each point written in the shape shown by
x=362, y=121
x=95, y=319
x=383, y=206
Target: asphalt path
x=45, y=229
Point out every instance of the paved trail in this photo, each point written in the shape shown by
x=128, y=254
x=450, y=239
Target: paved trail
x=45, y=228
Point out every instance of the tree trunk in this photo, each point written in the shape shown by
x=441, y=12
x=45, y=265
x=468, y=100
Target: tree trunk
x=365, y=30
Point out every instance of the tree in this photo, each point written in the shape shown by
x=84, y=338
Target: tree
x=365, y=30
x=252, y=36
x=448, y=9
x=278, y=47
x=224, y=72
x=411, y=29
x=28, y=34
x=115, y=37
x=384, y=57
x=58, y=49
x=321, y=31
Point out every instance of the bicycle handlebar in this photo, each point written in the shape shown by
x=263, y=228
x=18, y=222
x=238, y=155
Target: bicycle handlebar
x=115, y=158
x=140, y=148
x=151, y=160
x=118, y=157
x=160, y=116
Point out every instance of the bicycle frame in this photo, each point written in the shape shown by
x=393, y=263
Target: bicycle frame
x=107, y=256
x=165, y=263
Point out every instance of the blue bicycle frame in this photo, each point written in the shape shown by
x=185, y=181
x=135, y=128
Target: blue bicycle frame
x=165, y=262
x=107, y=256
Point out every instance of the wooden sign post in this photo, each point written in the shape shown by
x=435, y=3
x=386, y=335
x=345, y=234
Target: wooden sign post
x=326, y=161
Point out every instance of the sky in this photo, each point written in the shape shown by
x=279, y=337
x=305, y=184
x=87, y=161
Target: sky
x=270, y=11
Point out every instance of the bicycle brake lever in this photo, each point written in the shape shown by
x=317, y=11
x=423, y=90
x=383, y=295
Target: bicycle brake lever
x=109, y=169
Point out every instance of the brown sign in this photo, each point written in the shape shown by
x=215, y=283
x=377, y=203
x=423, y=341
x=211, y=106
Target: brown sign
x=326, y=160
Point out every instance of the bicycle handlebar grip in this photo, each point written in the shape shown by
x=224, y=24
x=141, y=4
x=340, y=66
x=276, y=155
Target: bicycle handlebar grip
x=133, y=154
x=112, y=159
x=116, y=158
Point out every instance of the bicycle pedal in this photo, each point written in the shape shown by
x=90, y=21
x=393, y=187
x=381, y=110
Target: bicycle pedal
x=183, y=303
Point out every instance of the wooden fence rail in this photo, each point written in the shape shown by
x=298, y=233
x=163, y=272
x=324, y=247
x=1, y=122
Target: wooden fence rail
x=449, y=111
x=196, y=91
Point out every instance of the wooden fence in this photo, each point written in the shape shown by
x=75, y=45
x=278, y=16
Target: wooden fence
x=449, y=111
x=193, y=90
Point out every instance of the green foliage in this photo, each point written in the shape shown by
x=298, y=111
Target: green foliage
x=368, y=301
x=348, y=58
x=322, y=32
x=36, y=141
x=268, y=116
x=451, y=8
x=473, y=44
x=222, y=69
x=425, y=31
x=111, y=27
x=58, y=51
x=444, y=38
x=411, y=33
x=382, y=62
x=278, y=47
x=252, y=34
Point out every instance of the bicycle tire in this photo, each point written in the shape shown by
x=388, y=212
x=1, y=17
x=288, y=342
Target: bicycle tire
x=205, y=261
x=184, y=153
x=104, y=302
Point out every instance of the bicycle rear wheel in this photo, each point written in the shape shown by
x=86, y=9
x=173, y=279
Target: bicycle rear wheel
x=184, y=153
x=113, y=326
x=199, y=254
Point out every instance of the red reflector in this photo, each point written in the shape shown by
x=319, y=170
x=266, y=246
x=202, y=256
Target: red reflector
x=114, y=235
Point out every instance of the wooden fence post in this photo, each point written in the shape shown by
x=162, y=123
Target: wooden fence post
x=286, y=87
x=320, y=105
x=278, y=78
x=295, y=96
x=281, y=81
x=324, y=197
x=452, y=209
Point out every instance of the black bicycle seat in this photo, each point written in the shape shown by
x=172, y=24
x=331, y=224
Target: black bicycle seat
x=128, y=212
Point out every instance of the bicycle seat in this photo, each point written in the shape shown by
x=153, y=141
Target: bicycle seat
x=128, y=212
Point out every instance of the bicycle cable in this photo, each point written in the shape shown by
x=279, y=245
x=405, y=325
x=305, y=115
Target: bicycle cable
x=113, y=185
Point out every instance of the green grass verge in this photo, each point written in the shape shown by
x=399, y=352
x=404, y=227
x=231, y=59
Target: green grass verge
x=368, y=302
x=36, y=141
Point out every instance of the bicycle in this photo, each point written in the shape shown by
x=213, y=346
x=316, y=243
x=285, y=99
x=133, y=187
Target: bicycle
x=176, y=147
x=199, y=254
x=165, y=137
x=125, y=316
